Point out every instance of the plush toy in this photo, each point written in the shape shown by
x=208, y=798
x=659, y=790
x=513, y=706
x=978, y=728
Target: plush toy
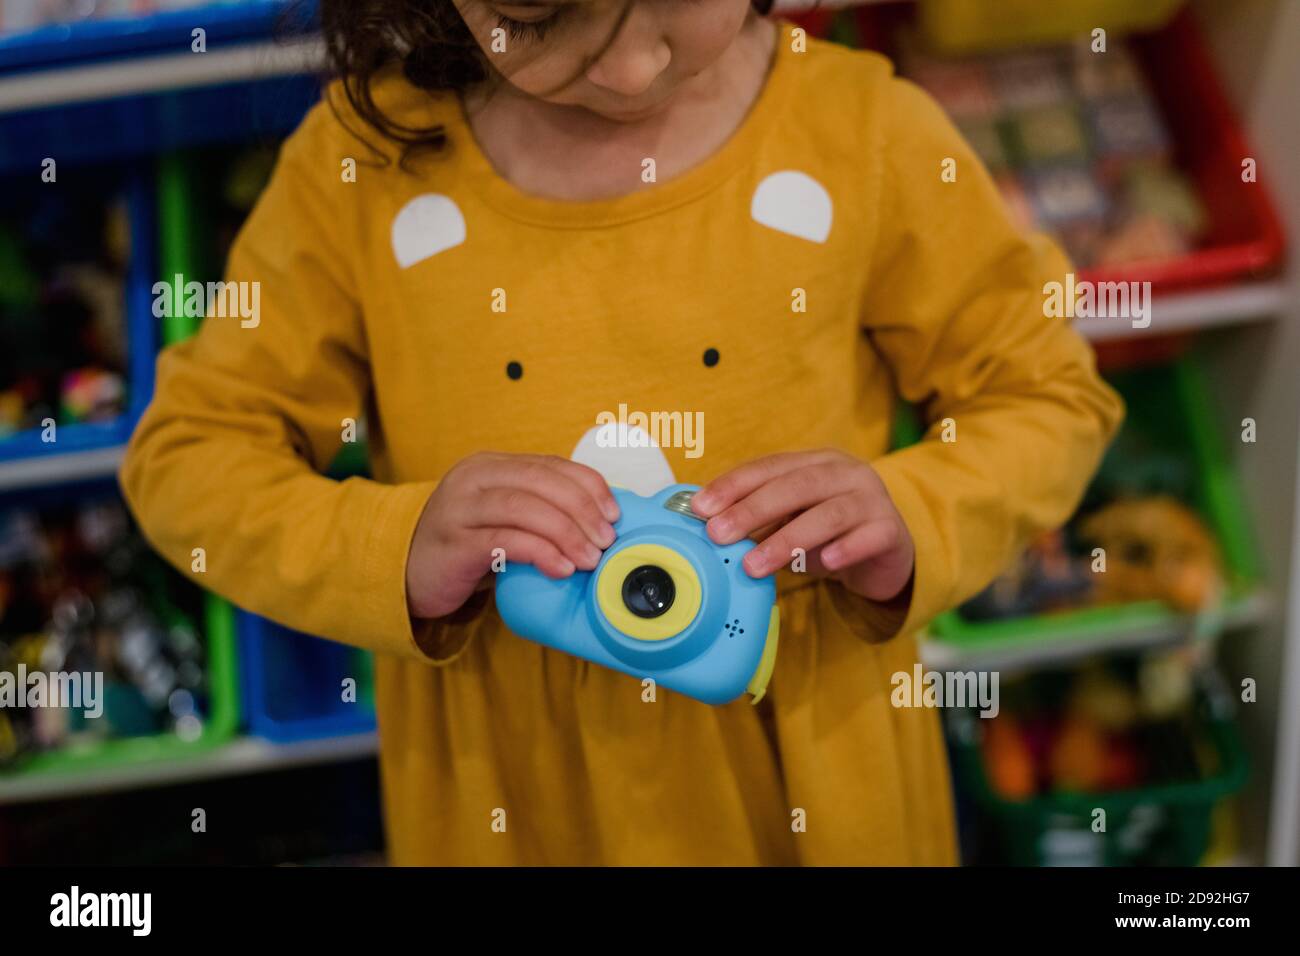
x=1155, y=548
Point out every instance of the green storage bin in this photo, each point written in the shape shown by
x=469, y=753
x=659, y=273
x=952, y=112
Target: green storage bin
x=1170, y=405
x=184, y=250
x=219, y=724
x=1164, y=825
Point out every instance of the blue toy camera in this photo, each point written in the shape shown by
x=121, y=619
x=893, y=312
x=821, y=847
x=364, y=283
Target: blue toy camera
x=665, y=602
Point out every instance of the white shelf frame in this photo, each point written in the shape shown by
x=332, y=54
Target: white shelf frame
x=41, y=470
x=243, y=755
x=1018, y=656
x=1212, y=308
x=159, y=73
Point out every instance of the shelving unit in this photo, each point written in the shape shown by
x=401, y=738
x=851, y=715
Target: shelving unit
x=1254, y=328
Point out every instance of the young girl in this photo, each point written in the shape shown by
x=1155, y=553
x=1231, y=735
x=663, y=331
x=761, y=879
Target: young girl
x=510, y=218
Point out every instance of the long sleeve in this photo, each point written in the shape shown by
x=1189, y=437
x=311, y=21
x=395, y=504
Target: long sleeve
x=955, y=307
x=248, y=413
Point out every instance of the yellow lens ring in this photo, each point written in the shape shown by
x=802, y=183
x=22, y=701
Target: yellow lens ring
x=686, y=603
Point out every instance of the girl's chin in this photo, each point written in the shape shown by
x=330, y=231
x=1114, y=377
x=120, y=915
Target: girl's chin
x=615, y=115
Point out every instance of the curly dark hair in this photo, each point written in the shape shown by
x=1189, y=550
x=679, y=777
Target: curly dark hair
x=426, y=39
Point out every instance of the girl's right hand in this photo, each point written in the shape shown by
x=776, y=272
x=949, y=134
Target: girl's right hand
x=543, y=510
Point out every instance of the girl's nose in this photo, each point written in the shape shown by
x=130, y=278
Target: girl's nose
x=634, y=58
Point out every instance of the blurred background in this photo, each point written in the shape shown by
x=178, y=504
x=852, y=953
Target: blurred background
x=1158, y=140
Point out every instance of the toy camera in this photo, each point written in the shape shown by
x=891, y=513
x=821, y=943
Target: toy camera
x=664, y=602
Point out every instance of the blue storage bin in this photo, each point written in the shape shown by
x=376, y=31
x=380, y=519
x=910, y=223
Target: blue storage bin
x=141, y=329
x=133, y=127
x=150, y=120
x=292, y=684
x=86, y=41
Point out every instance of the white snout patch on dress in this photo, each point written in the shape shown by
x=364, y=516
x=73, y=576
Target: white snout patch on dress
x=425, y=226
x=794, y=203
x=626, y=457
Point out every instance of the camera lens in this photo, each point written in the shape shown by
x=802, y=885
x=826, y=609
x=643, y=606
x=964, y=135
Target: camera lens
x=648, y=591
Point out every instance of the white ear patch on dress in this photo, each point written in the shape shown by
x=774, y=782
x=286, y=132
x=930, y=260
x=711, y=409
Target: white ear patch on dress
x=425, y=226
x=626, y=457
x=793, y=202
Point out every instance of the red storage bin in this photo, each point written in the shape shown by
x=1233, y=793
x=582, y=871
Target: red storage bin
x=1244, y=239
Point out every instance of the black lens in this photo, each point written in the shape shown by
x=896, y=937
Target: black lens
x=648, y=591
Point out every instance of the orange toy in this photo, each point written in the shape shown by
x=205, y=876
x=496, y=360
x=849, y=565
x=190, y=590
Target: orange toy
x=1079, y=758
x=1155, y=548
x=1007, y=760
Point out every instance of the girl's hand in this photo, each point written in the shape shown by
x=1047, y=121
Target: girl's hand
x=554, y=514
x=829, y=504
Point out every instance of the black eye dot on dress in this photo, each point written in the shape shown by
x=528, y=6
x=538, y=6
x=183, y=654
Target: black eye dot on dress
x=515, y=370
x=711, y=357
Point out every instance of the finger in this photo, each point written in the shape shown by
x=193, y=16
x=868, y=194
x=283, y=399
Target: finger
x=729, y=488
x=536, y=475
x=524, y=547
x=787, y=493
x=507, y=507
x=591, y=480
x=862, y=543
x=765, y=532
x=822, y=523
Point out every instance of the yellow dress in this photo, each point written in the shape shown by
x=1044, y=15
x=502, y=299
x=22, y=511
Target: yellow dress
x=382, y=297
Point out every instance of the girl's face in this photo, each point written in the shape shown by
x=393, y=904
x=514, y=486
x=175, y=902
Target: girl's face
x=620, y=59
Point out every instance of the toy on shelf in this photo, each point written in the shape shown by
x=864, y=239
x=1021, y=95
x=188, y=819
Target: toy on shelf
x=1134, y=538
x=81, y=593
x=63, y=261
x=1045, y=577
x=664, y=602
x=1077, y=143
x=1155, y=547
x=1100, y=728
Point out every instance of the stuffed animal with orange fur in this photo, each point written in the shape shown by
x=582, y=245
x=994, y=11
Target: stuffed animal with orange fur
x=1155, y=548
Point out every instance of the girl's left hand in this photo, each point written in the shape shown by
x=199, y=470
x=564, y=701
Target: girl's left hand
x=828, y=503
